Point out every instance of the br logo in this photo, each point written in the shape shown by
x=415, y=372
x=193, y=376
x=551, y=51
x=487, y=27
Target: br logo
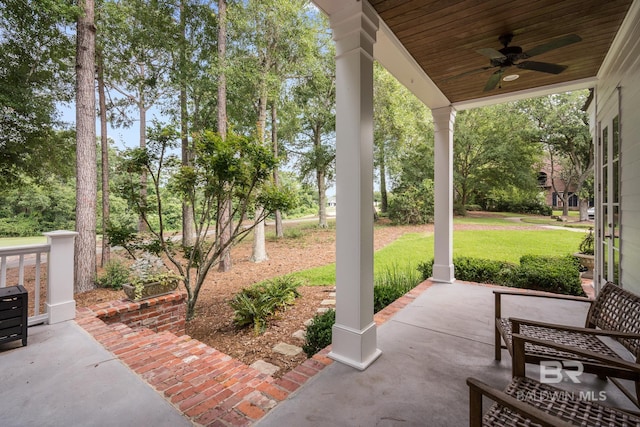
x=555, y=371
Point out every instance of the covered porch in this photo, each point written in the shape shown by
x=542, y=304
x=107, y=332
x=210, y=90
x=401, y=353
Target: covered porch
x=432, y=340
x=449, y=55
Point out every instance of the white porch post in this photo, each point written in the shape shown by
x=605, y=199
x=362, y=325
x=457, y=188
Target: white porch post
x=354, y=333
x=443, y=119
x=61, y=305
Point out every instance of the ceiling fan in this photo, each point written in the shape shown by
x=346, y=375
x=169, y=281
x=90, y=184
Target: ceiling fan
x=510, y=56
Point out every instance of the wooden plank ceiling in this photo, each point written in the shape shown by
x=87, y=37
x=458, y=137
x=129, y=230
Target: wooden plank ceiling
x=444, y=36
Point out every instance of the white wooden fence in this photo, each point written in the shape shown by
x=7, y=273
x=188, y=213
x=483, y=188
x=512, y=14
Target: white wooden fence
x=58, y=256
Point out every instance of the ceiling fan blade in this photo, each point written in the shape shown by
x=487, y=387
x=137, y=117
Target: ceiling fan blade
x=491, y=53
x=467, y=73
x=493, y=80
x=544, y=67
x=553, y=44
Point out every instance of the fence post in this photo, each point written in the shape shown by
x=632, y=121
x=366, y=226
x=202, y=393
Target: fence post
x=60, y=303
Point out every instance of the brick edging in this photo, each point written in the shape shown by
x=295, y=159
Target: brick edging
x=206, y=385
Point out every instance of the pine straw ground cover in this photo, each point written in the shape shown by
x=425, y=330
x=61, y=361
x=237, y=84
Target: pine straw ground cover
x=297, y=251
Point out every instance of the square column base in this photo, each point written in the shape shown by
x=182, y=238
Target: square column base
x=61, y=312
x=443, y=273
x=353, y=347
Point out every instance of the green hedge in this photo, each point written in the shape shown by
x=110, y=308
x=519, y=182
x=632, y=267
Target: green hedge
x=319, y=332
x=552, y=274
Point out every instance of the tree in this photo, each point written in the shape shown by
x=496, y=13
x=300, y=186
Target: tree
x=235, y=167
x=491, y=153
x=86, y=171
x=309, y=127
x=561, y=126
x=402, y=124
x=225, y=233
x=36, y=73
x=272, y=39
x=187, y=151
x=138, y=39
x=104, y=158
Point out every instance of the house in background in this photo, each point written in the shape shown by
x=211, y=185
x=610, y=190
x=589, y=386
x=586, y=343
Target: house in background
x=466, y=54
x=554, y=186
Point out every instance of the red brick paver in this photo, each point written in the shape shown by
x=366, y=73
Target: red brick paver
x=207, y=386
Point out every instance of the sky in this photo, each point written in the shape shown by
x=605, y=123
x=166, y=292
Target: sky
x=122, y=137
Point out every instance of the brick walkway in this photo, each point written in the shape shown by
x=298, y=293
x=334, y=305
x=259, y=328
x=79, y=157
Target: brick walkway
x=207, y=386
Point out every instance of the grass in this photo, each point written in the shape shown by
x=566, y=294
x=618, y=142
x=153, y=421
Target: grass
x=510, y=245
x=19, y=241
x=549, y=221
x=500, y=245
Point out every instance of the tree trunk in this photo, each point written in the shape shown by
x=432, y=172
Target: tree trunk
x=322, y=200
x=320, y=181
x=565, y=202
x=142, y=226
x=86, y=173
x=259, y=252
x=384, y=201
x=104, y=144
x=188, y=223
x=225, y=223
x=276, y=174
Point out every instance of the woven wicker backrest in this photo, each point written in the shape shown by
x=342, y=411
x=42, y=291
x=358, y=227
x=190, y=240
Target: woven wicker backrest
x=617, y=309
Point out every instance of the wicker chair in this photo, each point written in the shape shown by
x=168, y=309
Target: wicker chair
x=527, y=402
x=614, y=313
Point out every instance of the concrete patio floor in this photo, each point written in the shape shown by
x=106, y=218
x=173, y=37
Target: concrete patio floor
x=428, y=350
x=64, y=377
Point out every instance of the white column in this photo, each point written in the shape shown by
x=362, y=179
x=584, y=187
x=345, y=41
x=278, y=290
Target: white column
x=354, y=333
x=443, y=119
x=61, y=305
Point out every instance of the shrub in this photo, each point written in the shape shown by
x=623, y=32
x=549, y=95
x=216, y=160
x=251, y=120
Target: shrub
x=481, y=270
x=393, y=283
x=552, y=274
x=412, y=205
x=319, y=332
x=19, y=226
x=116, y=274
x=293, y=233
x=518, y=201
x=426, y=269
x=254, y=305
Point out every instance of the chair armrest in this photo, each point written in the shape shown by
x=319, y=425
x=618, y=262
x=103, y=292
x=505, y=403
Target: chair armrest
x=529, y=293
x=540, y=294
x=518, y=363
x=477, y=389
x=516, y=322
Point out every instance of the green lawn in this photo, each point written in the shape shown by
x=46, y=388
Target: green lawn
x=19, y=241
x=502, y=245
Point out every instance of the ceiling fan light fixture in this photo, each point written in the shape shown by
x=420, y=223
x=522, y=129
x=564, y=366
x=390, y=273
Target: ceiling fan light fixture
x=510, y=77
